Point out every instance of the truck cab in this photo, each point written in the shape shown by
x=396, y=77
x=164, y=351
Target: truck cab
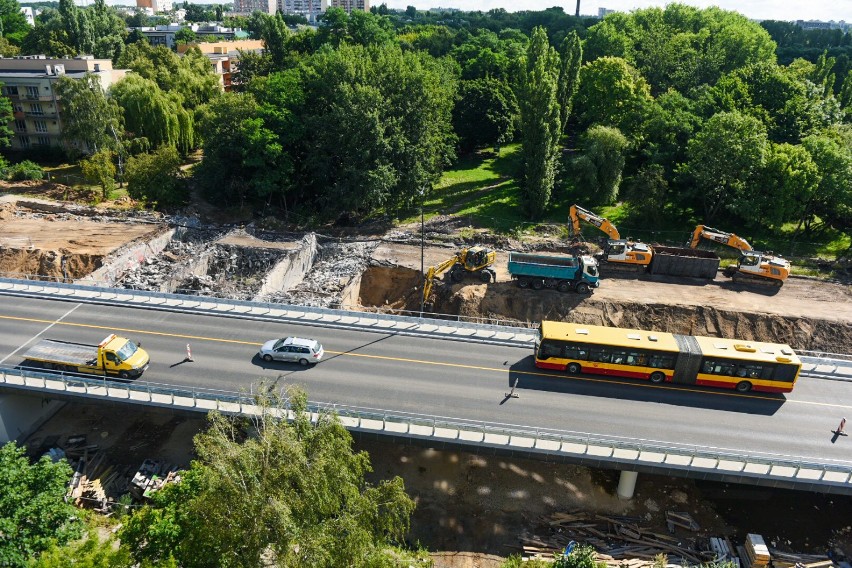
x=120, y=356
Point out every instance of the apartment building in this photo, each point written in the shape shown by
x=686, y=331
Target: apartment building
x=309, y=9
x=350, y=5
x=29, y=82
x=248, y=7
x=155, y=6
x=165, y=35
x=225, y=56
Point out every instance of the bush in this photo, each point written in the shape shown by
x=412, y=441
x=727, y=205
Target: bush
x=25, y=170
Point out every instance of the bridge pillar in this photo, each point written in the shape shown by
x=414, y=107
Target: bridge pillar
x=626, y=484
x=21, y=415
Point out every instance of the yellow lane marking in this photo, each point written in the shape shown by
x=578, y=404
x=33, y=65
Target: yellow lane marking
x=639, y=384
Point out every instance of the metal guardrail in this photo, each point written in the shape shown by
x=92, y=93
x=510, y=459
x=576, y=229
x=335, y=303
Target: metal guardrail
x=430, y=324
x=830, y=475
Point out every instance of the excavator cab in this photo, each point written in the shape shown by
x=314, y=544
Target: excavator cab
x=758, y=267
x=473, y=260
x=619, y=254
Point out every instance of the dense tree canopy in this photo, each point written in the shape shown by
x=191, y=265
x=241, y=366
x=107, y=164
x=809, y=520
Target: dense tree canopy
x=91, y=120
x=33, y=513
x=267, y=491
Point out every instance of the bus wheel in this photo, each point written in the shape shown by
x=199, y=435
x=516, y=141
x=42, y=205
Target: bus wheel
x=574, y=368
x=743, y=386
x=658, y=377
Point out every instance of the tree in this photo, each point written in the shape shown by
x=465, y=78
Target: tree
x=786, y=186
x=263, y=487
x=185, y=35
x=151, y=113
x=613, y=93
x=5, y=118
x=832, y=154
x=540, y=126
x=33, y=513
x=13, y=24
x=91, y=121
x=484, y=113
x=723, y=158
x=600, y=166
x=569, y=75
x=153, y=178
x=100, y=169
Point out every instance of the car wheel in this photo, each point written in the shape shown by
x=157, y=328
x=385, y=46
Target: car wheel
x=574, y=368
x=124, y=375
x=658, y=377
x=267, y=358
x=303, y=362
x=743, y=386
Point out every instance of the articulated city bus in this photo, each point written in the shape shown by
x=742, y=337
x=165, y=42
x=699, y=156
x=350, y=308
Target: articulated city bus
x=667, y=357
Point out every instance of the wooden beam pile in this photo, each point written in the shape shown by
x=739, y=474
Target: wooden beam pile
x=616, y=540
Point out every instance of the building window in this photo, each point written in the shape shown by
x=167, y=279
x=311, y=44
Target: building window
x=40, y=126
x=43, y=141
x=19, y=108
x=10, y=91
x=24, y=140
x=21, y=125
x=35, y=108
x=32, y=92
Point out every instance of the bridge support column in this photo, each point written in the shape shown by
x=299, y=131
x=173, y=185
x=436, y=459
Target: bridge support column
x=626, y=484
x=20, y=415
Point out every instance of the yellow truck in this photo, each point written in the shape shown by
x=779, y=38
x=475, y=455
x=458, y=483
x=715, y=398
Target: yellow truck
x=113, y=356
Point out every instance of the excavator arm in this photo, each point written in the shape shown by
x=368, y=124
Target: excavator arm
x=437, y=270
x=715, y=235
x=577, y=213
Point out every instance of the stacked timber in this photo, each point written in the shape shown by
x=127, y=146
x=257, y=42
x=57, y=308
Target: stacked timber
x=754, y=553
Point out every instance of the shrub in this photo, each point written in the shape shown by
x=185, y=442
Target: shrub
x=25, y=170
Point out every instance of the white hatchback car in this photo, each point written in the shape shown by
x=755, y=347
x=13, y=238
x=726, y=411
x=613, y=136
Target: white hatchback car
x=295, y=349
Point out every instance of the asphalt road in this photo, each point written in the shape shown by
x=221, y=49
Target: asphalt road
x=451, y=379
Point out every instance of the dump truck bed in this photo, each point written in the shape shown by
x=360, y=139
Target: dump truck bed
x=63, y=352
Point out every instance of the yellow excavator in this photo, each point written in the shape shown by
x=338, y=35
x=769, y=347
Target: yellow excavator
x=758, y=267
x=473, y=260
x=620, y=254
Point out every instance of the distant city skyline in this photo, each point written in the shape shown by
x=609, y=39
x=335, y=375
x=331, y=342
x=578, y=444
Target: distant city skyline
x=824, y=10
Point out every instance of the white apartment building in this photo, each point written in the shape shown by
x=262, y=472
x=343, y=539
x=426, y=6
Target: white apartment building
x=29, y=83
x=309, y=9
x=248, y=7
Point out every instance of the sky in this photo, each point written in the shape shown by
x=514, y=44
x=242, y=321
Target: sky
x=788, y=10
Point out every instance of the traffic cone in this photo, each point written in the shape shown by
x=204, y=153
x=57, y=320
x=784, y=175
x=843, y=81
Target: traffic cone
x=188, y=353
x=840, y=428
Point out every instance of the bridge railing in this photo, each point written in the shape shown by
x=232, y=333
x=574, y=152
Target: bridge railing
x=831, y=475
x=370, y=318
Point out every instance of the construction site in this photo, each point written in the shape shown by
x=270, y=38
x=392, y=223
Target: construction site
x=42, y=239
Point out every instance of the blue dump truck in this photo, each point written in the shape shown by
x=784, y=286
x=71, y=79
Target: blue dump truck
x=537, y=271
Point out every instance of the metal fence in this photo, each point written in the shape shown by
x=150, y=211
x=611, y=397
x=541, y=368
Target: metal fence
x=629, y=453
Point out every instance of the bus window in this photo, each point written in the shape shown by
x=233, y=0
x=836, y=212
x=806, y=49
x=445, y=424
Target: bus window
x=549, y=349
x=660, y=361
x=785, y=373
x=601, y=355
x=619, y=357
x=576, y=352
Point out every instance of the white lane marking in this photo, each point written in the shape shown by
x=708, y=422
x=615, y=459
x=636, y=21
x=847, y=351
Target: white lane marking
x=28, y=341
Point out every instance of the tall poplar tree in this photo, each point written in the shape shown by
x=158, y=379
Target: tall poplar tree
x=540, y=122
x=569, y=75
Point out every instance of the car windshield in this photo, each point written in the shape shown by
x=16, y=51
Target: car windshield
x=279, y=343
x=127, y=351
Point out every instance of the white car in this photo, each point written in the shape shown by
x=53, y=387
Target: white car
x=295, y=349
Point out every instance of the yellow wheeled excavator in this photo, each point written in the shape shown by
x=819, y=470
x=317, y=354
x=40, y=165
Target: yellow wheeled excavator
x=473, y=260
x=759, y=267
x=619, y=254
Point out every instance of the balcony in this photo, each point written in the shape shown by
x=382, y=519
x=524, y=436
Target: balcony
x=30, y=97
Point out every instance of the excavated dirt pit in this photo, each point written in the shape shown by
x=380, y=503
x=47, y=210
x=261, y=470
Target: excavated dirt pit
x=60, y=247
x=398, y=288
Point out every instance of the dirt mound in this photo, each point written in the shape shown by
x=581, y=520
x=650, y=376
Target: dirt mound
x=48, y=264
x=507, y=302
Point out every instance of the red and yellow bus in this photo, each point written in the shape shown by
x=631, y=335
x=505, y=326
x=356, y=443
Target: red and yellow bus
x=667, y=357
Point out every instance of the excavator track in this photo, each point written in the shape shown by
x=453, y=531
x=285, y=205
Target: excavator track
x=745, y=278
